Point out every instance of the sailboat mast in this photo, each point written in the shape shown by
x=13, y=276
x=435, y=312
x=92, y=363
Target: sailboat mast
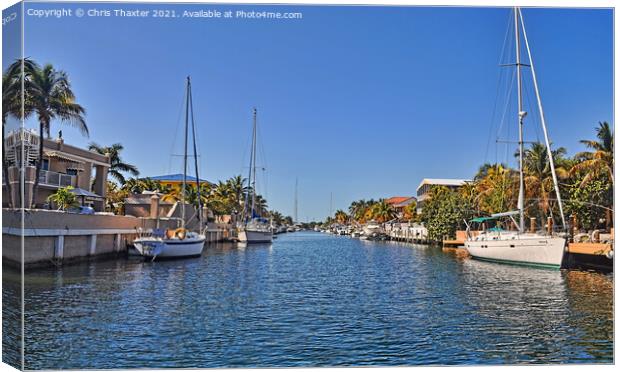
x=521, y=115
x=183, y=187
x=253, y=162
x=191, y=109
x=296, y=219
x=544, y=125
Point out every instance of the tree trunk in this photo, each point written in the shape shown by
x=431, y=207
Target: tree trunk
x=5, y=169
x=38, y=168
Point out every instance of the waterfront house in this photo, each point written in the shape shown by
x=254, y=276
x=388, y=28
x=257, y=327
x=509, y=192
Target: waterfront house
x=175, y=180
x=399, y=203
x=427, y=183
x=63, y=165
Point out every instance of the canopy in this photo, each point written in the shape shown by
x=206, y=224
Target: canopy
x=482, y=219
x=505, y=214
x=85, y=193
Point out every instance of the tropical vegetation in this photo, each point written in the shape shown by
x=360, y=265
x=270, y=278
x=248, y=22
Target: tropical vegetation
x=63, y=198
x=117, y=166
x=47, y=94
x=585, y=181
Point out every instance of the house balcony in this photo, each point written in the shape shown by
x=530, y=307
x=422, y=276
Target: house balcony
x=55, y=179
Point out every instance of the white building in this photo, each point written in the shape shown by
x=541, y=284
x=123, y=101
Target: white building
x=427, y=183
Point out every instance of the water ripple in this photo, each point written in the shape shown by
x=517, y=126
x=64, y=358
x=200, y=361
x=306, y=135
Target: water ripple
x=312, y=300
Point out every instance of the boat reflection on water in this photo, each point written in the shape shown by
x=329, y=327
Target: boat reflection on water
x=591, y=300
x=538, y=310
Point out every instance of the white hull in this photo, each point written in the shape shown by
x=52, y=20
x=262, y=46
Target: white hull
x=254, y=236
x=372, y=230
x=525, y=249
x=169, y=248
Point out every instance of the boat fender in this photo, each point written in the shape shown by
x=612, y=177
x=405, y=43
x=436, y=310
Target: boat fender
x=610, y=254
x=180, y=233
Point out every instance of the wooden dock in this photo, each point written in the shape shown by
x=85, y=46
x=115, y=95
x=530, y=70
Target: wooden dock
x=592, y=256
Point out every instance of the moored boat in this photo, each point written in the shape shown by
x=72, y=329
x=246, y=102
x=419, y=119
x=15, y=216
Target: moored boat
x=520, y=247
x=253, y=228
x=372, y=229
x=180, y=242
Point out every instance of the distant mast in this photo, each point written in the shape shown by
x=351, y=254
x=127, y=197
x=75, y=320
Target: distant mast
x=296, y=201
x=184, y=184
x=247, y=215
x=331, y=202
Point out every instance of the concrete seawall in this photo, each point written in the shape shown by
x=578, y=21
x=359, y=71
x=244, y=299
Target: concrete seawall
x=56, y=238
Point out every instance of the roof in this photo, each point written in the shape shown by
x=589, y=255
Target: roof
x=81, y=192
x=176, y=178
x=443, y=182
x=395, y=200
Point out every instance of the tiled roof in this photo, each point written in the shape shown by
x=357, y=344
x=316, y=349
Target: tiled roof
x=397, y=199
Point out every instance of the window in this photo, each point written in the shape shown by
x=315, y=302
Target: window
x=72, y=172
x=46, y=164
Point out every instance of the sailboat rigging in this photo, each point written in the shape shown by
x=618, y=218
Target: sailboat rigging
x=254, y=228
x=179, y=242
x=521, y=247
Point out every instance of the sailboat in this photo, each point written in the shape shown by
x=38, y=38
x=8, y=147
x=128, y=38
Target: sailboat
x=253, y=228
x=521, y=247
x=179, y=242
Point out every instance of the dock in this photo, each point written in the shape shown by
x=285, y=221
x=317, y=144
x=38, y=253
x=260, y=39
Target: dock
x=407, y=232
x=589, y=256
x=55, y=238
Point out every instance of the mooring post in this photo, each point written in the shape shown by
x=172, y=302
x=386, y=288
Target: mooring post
x=59, y=247
x=92, y=242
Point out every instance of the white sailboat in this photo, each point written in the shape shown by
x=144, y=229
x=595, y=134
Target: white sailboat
x=179, y=242
x=520, y=247
x=253, y=228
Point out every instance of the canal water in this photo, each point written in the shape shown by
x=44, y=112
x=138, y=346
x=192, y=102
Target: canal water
x=311, y=299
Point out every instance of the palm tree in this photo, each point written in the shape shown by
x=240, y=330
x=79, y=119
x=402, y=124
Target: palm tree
x=260, y=205
x=538, y=175
x=16, y=74
x=117, y=166
x=236, y=189
x=410, y=211
x=341, y=216
x=483, y=171
x=138, y=185
x=496, y=191
x=276, y=217
x=382, y=211
x=52, y=98
x=601, y=160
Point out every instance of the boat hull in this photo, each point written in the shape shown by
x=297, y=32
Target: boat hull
x=531, y=251
x=169, y=248
x=371, y=231
x=253, y=236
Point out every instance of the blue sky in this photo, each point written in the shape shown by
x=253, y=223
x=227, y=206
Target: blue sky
x=361, y=102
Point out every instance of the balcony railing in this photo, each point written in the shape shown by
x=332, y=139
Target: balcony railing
x=56, y=179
